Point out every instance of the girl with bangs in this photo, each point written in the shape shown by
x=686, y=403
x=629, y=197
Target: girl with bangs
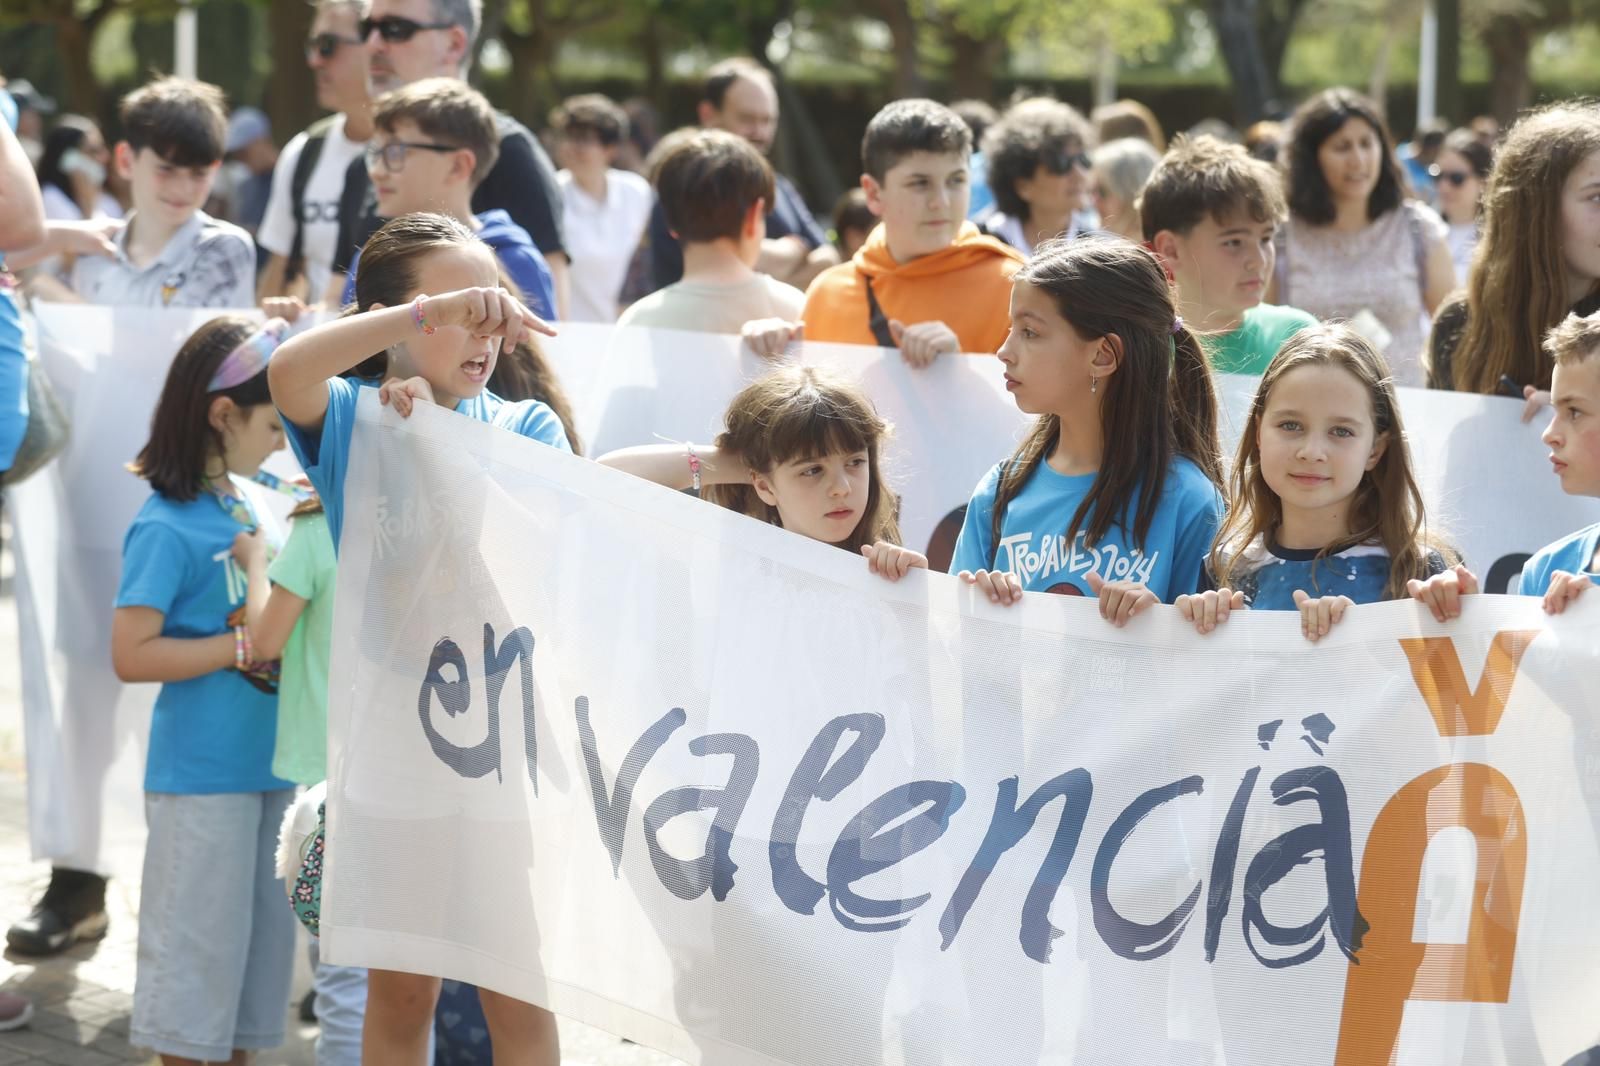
x=1324, y=512
x=802, y=451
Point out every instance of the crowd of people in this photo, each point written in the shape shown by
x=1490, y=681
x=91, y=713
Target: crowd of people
x=1113, y=271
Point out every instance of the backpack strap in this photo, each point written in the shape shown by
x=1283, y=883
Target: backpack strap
x=310, y=152
x=877, y=321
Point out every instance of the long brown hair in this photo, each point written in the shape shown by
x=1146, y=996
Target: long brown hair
x=804, y=413
x=1387, y=508
x=182, y=438
x=1158, y=405
x=1518, y=286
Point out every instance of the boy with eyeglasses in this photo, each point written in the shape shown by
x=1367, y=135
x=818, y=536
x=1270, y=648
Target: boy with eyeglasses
x=408, y=40
x=302, y=219
x=433, y=142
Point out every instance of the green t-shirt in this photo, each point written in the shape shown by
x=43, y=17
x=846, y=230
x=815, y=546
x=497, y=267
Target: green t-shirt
x=305, y=567
x=1248, y=349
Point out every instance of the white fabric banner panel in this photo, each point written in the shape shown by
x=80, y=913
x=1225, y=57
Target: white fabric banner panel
x=84, y=731
x=714, y=787
x=1484, y=474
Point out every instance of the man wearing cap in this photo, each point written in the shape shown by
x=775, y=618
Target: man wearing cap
x=32, y=107
x=246, y=179
x=408, y=40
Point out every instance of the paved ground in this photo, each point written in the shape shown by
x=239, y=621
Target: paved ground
x=82, y=1000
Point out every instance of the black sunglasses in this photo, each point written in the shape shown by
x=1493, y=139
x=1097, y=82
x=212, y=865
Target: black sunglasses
x=327, y=45
x=396, y=30
x=1058, y=160
x=1457, y=178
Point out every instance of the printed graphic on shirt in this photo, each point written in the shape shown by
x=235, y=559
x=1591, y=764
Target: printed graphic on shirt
x=1036, y=558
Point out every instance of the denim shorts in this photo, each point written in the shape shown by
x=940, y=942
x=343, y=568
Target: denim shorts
x=216, y=935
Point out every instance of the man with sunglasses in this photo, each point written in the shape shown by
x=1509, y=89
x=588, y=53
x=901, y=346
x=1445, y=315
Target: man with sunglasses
x=301, y=223
x=406, y=41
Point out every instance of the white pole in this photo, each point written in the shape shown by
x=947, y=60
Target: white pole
x=1105, y=73
x=1428, y=65
x=186, y=43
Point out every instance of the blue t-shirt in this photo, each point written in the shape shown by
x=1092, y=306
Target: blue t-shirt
x=212, y=733
x=521, y=258
x=1033, y=542
x=13, y=378
x=1268, y=574
x=1572, y=554
x=325, y=454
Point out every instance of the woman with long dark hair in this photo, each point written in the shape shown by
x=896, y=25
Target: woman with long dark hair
x=1357, y=246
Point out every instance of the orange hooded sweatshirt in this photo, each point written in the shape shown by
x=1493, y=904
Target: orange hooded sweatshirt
x=966, y=285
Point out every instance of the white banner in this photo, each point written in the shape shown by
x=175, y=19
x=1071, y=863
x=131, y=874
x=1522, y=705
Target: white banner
x=714, y=787
x=1483, y=472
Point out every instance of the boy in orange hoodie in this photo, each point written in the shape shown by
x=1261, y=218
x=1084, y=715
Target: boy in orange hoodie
x=926, y=281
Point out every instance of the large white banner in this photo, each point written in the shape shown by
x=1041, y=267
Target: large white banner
x=713, y=786
x=1484, y=474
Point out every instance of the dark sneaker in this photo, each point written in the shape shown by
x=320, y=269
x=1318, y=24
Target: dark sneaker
x=73, y=909
x=15, y=1012
x=308, y=1008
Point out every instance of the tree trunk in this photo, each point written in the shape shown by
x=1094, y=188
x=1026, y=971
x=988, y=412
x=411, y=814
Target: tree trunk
x=1254, y=84
x=291, y=96
x=908, y=79
x=973, y=63
x=1510, y=86
x=73, y=41
x=655, y=62
x=1449, y=87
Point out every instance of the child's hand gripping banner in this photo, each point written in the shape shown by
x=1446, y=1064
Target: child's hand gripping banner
x=714, y=787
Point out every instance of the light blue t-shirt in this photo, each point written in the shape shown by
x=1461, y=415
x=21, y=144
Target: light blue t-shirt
x=13, y=378
x=1572, y=554
x=212, y=733
x=1034, y=546
x=326, y=455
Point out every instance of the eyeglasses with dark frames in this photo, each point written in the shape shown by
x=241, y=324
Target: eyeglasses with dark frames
x=396, y=29
x=327, y=45
x=1457, y=178
x=393, y=154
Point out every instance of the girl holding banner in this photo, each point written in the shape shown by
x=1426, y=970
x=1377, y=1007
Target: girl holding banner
x=1116, y=492
x=1322, y=496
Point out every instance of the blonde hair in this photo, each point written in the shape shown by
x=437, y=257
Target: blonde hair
x=1574, y=339
x=805, y=413
x=1387, y=508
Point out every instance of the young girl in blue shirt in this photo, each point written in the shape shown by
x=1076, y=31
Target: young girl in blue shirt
x=1115, y=492
x=1324, y=512
x=215, y=939
x=429, y=323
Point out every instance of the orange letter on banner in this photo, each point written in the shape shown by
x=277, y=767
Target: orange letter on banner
x=1457, y=710
x=1392, y=967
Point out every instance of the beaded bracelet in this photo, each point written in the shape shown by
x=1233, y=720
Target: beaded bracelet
x=694, y=465
x=243, y=653
x=421, y=319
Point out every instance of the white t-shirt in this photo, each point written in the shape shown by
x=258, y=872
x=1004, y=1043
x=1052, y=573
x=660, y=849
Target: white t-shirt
x=206, y=263
x=601, y=238
x=321, y=207
x=707, y=308
x=63, y=208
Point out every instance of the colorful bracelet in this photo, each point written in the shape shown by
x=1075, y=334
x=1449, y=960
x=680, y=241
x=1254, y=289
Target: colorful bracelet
x=421, y=319
x=242, y=652
x=694, y=465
